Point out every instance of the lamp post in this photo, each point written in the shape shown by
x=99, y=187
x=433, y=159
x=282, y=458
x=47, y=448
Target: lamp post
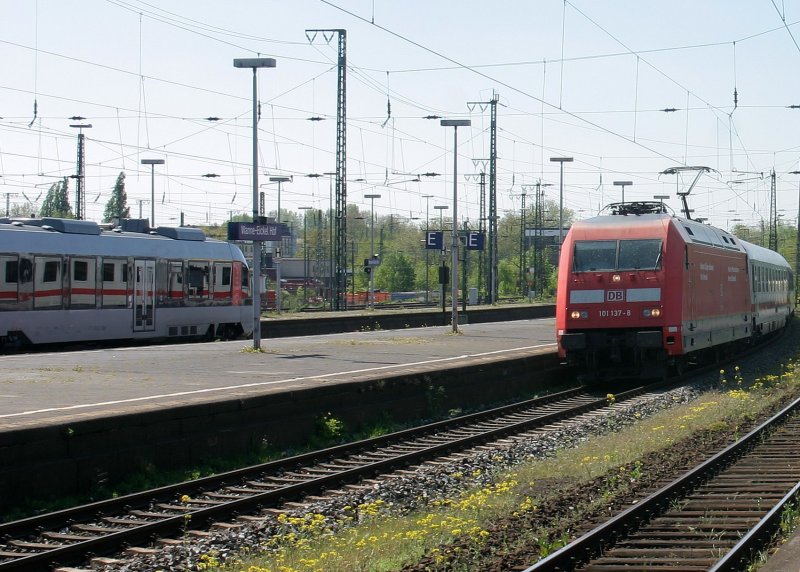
x=441, y=209
x=427, y=258
x=661, y=198
x=561, y=161
x=254, y=64
x=152, y=163
x=277, y=259
x=623, y=184
x=305, y=254
x=455, y=124
x=371, y=296
x=279, y=180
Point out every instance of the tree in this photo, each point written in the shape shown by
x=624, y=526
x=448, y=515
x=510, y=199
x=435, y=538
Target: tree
x=56, y=203
x=396, y=273
x=117, y=206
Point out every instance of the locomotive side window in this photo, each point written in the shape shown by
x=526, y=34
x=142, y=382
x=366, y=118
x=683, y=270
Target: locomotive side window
x=639, y=254
x=594, y=255
x=115, y=283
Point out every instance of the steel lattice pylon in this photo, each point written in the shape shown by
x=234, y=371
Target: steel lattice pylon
x=339, y=286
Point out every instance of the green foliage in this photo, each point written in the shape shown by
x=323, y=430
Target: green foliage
x=396, y=273
x=56, y=203
x=329, y=428
x=117, y=206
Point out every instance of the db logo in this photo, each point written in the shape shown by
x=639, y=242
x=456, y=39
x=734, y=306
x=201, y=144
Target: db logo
x=615, y=296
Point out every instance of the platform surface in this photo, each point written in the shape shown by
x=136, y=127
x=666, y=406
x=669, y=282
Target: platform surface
x=46, y=388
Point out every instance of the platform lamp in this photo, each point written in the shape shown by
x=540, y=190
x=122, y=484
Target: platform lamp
x=561, y=161
x=661, y=198
x=455, y=124
x=371, y=297
x=427, y=258
x=254, y=64
x=277, y=259
x=305, y=253
x=623, y=184
x=152, y=163
x=441, y=209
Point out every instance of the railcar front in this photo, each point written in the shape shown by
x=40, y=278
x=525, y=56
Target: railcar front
x=613, y=295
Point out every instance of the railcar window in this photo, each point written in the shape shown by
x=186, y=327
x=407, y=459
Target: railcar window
x=80, y=270
x=639, y=254
x=50, y=273
x=198, y=279
x=83, y=291
x=9, y=280
x=115, y=283
x=108, y=272
x=12, y=271
x=245, y=280
x=175, y=280
x=594, y=255
x=47, y=283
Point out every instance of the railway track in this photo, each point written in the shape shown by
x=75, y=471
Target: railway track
x=69, y=537
x=715, y=517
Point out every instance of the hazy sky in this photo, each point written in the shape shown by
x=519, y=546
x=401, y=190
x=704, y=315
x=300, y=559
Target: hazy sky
x=582, y=79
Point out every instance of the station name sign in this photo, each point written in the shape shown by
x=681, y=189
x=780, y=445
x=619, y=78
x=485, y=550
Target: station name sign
x=259, y=232
x=434, y=240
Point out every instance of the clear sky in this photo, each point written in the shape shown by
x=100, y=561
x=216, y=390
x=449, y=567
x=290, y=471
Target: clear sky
x=585, y=79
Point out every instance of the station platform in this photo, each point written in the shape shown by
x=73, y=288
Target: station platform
x=42, y=389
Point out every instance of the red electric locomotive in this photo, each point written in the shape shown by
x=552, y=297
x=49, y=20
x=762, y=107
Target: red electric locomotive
x=640, y=290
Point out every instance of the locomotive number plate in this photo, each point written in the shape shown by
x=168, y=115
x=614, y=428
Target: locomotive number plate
x=614, y=313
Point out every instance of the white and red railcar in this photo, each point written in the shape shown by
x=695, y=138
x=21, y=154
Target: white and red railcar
x=72, y=281
x=640, y=290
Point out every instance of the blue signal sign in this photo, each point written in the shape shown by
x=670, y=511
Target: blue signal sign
x=434, y=240
x=474, y=240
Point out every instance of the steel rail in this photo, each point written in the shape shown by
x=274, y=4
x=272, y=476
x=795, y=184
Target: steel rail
x=433, y=443
x=600, y=538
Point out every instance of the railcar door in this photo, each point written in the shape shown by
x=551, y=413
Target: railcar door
x=144, y=295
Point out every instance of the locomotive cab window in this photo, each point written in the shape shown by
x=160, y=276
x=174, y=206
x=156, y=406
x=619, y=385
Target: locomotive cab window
x=594, y=255
x=612, y=255
x=639, y=254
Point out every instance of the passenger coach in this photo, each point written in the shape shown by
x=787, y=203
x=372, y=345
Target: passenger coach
x=69, y=281
x=640, y=290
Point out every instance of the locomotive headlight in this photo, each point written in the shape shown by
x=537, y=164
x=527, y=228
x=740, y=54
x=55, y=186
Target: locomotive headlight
x=651, y=312
x=616, y=278
x=579, y=314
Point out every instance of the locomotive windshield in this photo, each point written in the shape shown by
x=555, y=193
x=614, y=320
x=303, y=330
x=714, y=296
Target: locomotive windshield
x=612, y=255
